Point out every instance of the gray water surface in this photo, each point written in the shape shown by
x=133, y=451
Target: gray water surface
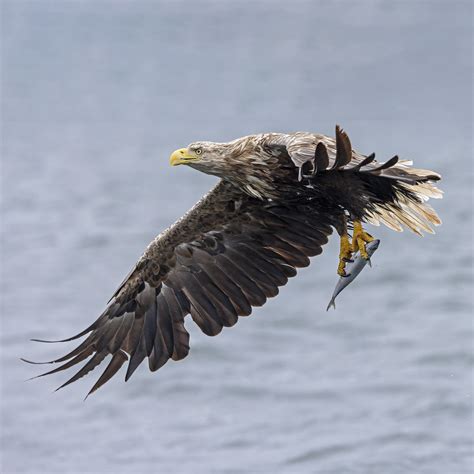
x=95, y=95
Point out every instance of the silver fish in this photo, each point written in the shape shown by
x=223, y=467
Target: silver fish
x=353, y=268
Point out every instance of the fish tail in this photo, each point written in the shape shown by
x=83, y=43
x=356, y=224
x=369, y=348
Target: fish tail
x=331, y=303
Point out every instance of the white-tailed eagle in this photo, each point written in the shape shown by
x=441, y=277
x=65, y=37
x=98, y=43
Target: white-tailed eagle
x=279, y=197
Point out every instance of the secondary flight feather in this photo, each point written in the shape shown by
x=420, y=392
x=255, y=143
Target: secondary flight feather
x=278, y=200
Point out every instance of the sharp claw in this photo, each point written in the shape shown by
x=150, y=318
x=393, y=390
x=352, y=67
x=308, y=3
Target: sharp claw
x=341, y=272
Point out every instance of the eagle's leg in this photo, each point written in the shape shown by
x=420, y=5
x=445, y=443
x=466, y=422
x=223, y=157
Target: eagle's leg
x=345, y=249
x=360, y=239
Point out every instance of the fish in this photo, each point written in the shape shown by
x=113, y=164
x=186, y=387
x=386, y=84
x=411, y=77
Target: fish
x=353, y=268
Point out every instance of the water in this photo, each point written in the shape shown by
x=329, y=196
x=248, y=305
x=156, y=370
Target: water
x=95, y=96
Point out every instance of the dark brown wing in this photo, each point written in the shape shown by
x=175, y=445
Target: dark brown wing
x=228, y=254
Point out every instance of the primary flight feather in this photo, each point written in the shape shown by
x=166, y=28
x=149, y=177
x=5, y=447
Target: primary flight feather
x=279, y=197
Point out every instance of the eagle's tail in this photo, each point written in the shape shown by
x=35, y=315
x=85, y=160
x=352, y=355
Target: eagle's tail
x=397, y=192
x=411, y=190
x=406, y=188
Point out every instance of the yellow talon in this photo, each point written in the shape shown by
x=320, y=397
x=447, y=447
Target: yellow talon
x=359, y=239
x=345, y=253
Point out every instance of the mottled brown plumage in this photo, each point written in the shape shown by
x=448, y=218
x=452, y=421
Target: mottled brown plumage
x=278, y=200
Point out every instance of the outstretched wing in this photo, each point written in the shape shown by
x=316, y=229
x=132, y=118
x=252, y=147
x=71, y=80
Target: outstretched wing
x=228, y=254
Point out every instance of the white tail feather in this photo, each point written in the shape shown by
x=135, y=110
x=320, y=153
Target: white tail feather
x=409, y=212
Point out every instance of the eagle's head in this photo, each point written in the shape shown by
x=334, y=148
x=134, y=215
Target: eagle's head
x=208, y=157
x=244, y=161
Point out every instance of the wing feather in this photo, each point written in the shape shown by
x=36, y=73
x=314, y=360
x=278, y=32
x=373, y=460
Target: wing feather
x=93, y=362
x=177, y=312
x=118, y=359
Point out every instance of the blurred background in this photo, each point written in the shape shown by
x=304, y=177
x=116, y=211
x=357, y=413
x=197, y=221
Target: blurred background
x=95, y=96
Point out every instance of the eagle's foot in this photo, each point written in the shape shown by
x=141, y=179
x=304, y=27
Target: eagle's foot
x=360, y=239
x=345, y=254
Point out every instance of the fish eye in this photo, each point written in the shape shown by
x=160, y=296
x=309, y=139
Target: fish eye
x=198, y=151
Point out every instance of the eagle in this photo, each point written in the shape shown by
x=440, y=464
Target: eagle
x=279, y=197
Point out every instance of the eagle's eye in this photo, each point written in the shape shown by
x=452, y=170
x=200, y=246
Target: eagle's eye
x=198, y=151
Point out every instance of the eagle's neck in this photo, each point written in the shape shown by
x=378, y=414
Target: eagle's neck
x=253, y=166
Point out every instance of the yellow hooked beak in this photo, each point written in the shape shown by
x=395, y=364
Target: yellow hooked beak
x=182, y=156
